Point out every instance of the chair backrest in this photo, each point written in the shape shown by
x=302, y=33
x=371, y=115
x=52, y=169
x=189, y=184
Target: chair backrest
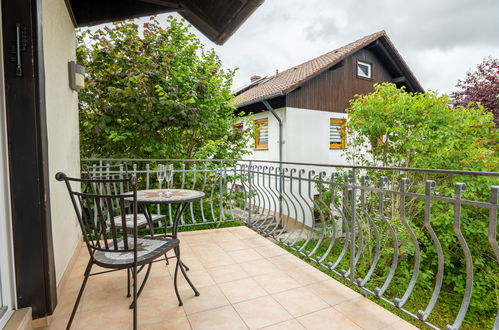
x=101, y=214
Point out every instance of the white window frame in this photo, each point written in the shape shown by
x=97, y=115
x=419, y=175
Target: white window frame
x=369, y=67
x=7, y=281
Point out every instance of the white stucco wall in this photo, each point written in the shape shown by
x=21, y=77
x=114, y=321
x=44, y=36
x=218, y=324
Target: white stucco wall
x=62, y=126
x=272, y=153
x=306, y=140
x=305, y=137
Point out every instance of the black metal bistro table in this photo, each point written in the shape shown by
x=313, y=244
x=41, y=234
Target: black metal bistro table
x=179, y=197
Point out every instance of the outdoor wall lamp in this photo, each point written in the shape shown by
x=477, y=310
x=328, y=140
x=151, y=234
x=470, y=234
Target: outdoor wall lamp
x=76, y=76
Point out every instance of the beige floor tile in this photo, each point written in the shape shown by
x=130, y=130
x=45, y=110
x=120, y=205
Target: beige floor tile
x=245, y=234
x=327, y=319
x=178, y=323
x=256, y=241
x=200, y=279
x=271, y=251
x=261, y=312
x=223, y=236
x=217, y=261
x=372, y=316
x=308, y=275
x=276, y=282
x=242, y=256
x=300, y=301
x=211, y=297
x=192, y=262
x=233, y=245
x=287, y=325
x=113, y=317
x=333, y=292
x=222, y=318
x=157, y=309
x=258, y=267
x=241, y=290
x=288, y=262
x=227, y=273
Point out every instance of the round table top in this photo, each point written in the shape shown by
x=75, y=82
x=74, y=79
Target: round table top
x=158, y=196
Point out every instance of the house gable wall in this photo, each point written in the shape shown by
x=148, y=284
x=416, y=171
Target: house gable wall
x=332, y=89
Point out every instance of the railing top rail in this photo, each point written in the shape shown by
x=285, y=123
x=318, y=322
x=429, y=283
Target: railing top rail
x=403, y=169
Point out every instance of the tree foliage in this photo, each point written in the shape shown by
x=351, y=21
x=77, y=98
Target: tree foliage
x=155, y=92
x=480, y=86
x=403, y=129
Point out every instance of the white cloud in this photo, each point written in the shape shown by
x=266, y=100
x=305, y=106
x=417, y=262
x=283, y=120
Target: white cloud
x=440, y=40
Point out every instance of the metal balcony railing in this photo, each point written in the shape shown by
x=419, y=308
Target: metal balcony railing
x=415, y=239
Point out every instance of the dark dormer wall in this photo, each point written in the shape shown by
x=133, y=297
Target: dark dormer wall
x=332, y=90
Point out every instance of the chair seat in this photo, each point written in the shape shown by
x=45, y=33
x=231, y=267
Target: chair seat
x=141, y=220
x=149, y=248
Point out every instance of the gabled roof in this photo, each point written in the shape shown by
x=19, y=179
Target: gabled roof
x=216, y=19
x=286, y=81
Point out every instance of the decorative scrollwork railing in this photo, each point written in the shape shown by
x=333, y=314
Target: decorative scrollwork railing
x=416, y=239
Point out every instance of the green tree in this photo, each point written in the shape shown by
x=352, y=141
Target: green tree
x=155, y=92
x=403, y=129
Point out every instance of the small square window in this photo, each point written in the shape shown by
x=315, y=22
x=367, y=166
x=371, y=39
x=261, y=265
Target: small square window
x=364, y=69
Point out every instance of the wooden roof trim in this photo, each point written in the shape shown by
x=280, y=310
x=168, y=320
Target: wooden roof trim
x=200, y=21
x=402, y=64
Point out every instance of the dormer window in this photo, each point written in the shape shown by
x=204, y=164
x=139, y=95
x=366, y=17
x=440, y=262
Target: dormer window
x=364, y=69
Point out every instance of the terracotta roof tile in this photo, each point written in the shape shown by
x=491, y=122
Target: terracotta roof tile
x=289, y=79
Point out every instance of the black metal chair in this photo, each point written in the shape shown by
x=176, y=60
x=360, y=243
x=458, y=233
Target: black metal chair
x=109, y=247
x=119, y=171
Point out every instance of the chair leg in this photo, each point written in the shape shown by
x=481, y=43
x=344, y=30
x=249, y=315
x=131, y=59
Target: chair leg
x=134, y=273
x=82, y=288
x=177, y=264
x=177, y=252
x=143, y=283
x=128, y=286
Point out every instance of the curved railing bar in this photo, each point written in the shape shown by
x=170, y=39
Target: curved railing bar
x=423, y=315
x=363, y=282
x=297, y=220
x=193, y=187
x=305, y=202
x=321, y=215
x=274, y=223
x=284, y=238
x=492, y=235
x=333, y=238
x=404, y=184
x=322, y=174
x=379, y=291
x=459, y=189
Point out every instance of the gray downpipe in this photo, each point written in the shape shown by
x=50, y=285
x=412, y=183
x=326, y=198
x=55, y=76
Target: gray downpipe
x=281, y=179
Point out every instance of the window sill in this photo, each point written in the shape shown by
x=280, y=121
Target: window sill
x=365, y=78
x=260, y=149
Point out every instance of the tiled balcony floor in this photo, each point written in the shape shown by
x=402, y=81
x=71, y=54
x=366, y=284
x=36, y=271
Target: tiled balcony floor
x=245, y=281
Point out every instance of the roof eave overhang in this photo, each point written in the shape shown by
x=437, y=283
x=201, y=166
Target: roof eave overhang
x=93, y=12
x=260, y=99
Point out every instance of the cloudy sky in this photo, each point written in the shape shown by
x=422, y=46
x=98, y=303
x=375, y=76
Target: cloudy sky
x=440, y=39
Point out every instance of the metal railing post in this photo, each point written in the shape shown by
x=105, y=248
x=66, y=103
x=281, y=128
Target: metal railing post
x=353, y=195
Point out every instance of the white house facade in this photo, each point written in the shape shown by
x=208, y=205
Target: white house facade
x=306, y=106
